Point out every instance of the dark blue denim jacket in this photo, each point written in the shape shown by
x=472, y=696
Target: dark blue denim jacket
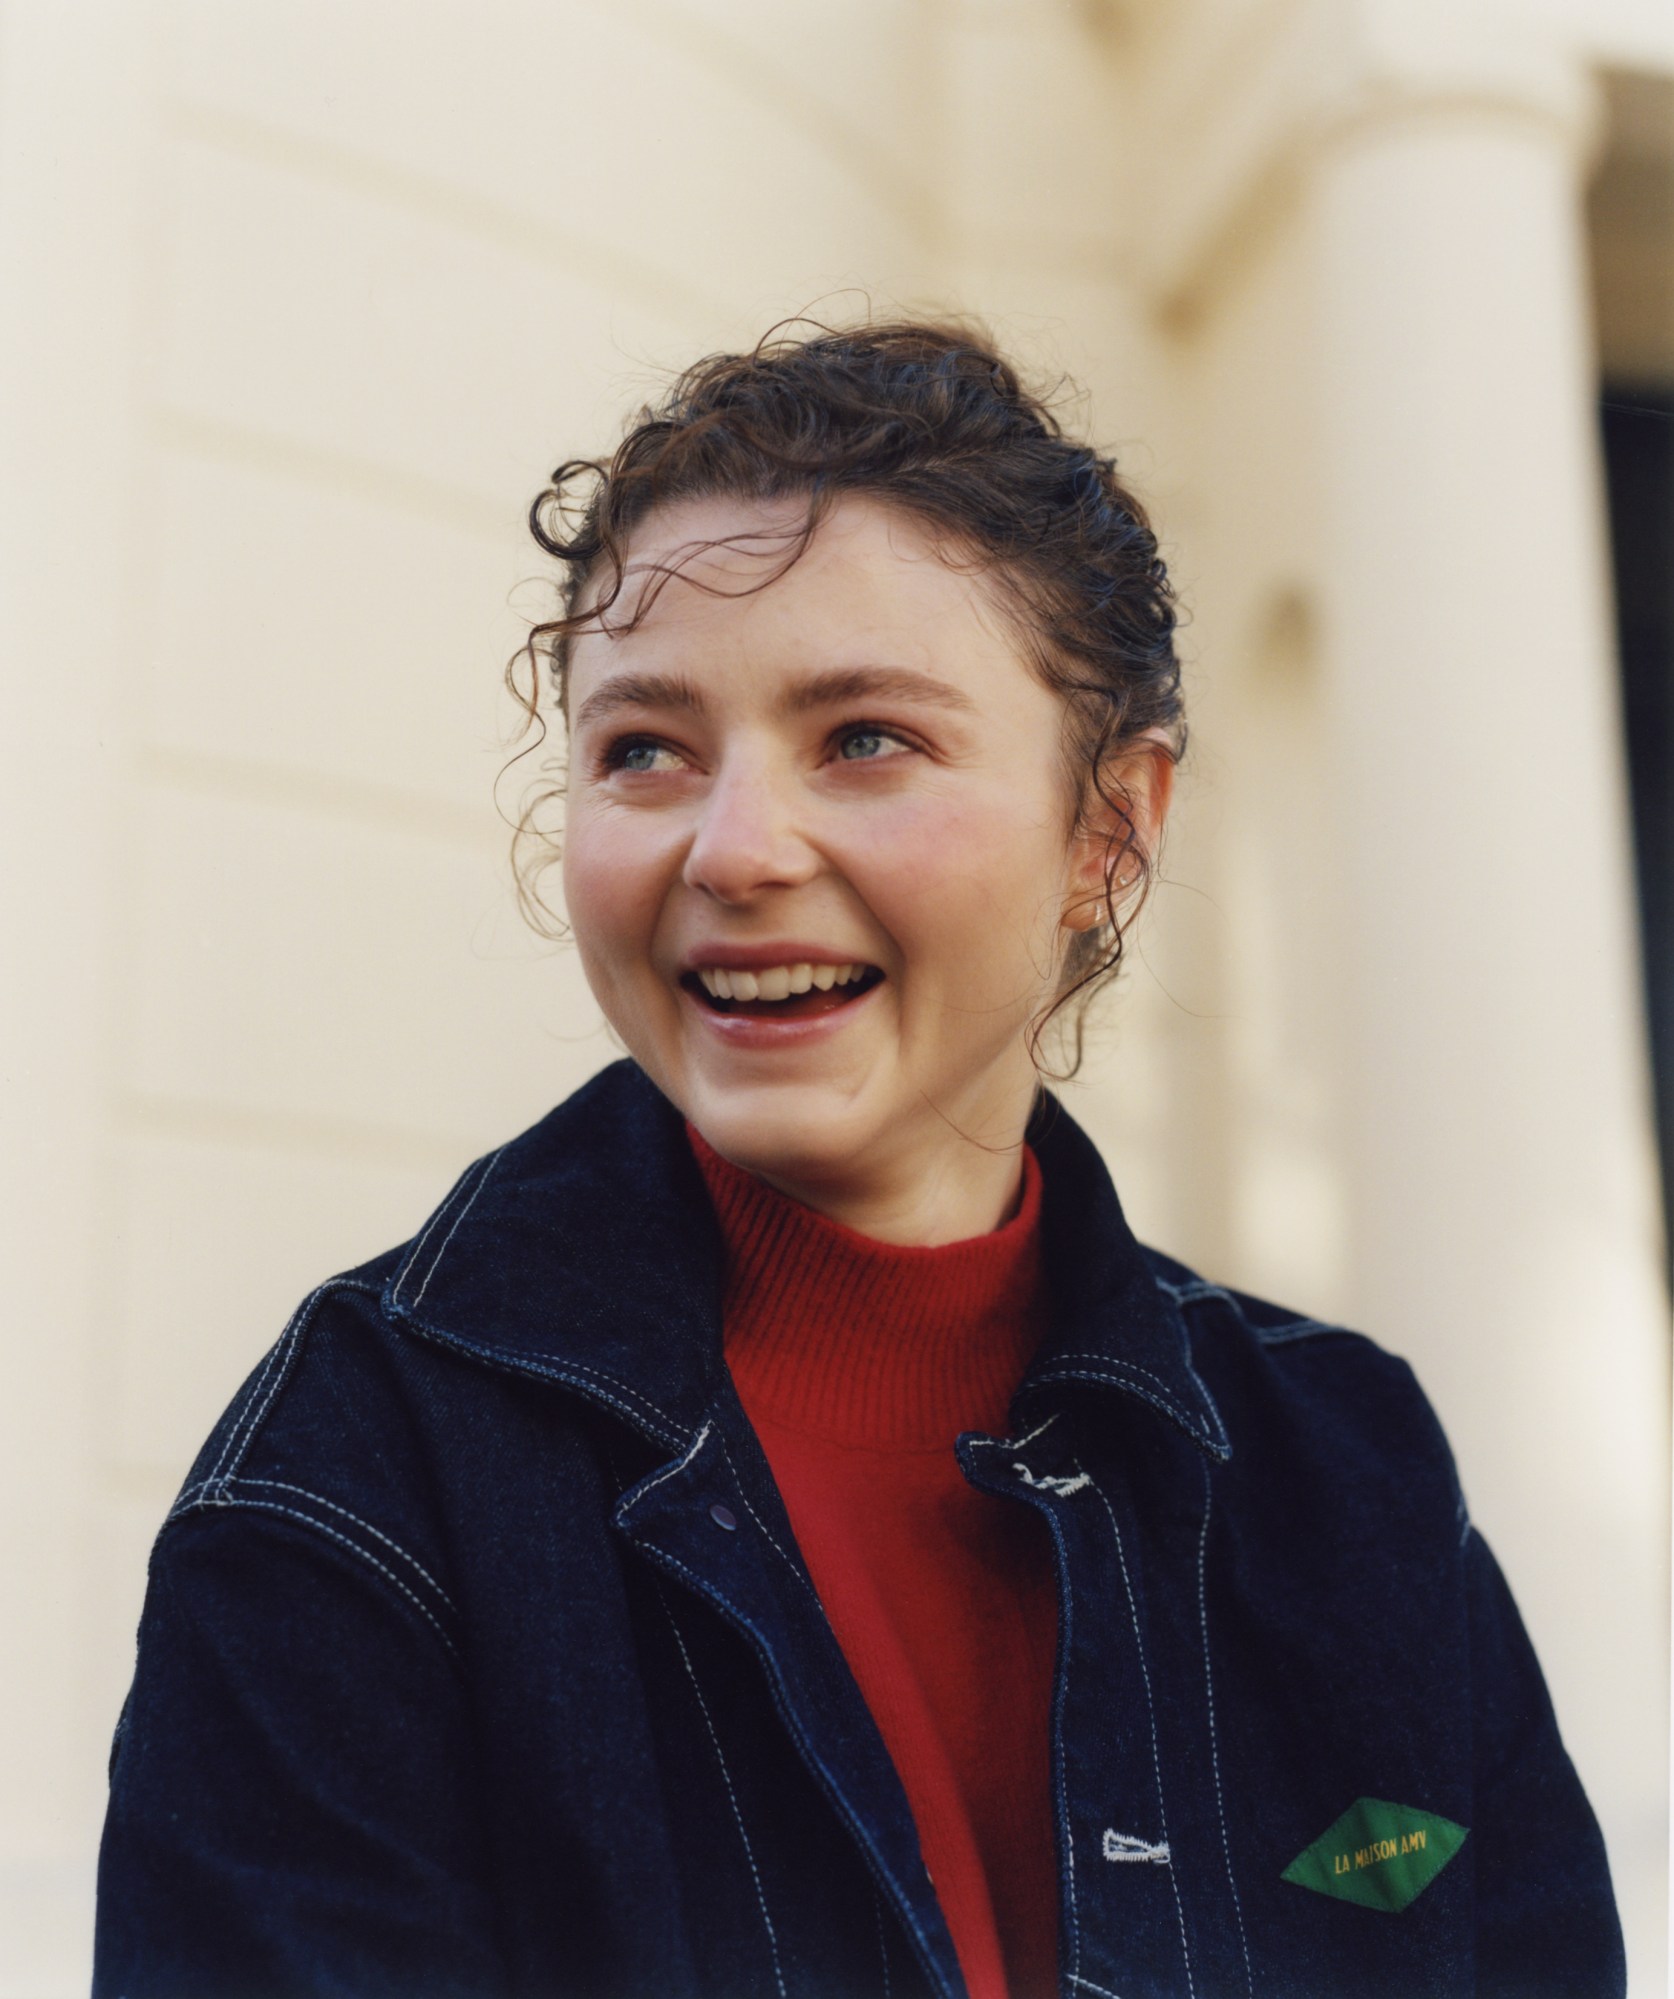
x=478, y=1656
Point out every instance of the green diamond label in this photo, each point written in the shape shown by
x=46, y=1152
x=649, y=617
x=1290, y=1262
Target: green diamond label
x=1380, y=1855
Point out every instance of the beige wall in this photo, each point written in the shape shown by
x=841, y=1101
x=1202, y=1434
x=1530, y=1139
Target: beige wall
x=305, y=302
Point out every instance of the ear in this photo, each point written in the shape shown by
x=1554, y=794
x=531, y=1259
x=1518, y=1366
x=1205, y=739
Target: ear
x=1141, y=777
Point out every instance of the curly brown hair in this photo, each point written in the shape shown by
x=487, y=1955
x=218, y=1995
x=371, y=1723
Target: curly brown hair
x=929, y=418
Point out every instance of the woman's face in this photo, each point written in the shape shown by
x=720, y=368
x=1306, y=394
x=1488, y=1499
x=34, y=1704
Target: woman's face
x=818, y=851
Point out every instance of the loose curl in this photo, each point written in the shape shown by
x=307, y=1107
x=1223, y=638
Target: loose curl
x=928, y=418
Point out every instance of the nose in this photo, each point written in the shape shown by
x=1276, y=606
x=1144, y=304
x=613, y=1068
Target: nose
x=747, y=837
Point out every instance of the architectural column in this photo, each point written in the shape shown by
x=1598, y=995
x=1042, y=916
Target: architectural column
x=1501, y=1176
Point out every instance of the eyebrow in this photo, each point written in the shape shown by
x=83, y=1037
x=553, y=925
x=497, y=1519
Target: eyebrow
x=639, y=690
x=833, y=688
x=874, y=683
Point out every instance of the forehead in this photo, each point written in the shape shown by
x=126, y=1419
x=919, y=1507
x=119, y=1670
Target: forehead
x=710, y=581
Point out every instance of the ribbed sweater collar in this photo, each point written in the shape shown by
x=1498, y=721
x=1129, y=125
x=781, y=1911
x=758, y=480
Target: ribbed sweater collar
x=869, y=1343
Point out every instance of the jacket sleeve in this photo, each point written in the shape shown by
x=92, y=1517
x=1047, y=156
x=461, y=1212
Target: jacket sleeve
x=293, y=1806
x=1546, y=1914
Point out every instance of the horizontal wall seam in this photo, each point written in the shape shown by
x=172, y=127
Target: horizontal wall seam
x=236, y=780
x=139, y=1114
x=335, y=472
x=437, y=200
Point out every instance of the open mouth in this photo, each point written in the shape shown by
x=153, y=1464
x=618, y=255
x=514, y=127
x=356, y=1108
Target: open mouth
x=780, y=992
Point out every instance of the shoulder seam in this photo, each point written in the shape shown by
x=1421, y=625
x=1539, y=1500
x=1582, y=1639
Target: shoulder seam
x=1304, y=1329
x=225, y=1493
x=469, y=1185
x=199, y=1495
x=1200, y=1289
x=274, y=1372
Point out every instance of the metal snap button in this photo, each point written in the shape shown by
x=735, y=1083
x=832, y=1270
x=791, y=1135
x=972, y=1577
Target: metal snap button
x=723, y=1516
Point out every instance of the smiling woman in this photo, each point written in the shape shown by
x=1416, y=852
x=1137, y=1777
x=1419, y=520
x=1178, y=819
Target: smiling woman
x=849, y=769
x=773, y=1530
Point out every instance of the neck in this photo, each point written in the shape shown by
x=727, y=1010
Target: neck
x=933, y=1173
x=950, y=1199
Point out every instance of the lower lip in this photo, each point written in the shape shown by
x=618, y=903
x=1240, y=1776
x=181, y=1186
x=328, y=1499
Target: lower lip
x=753, y=1031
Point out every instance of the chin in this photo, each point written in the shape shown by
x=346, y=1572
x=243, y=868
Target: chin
x=785, y=1131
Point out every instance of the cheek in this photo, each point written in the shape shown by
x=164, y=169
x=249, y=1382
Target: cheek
x=969, y=886
x=613, y=893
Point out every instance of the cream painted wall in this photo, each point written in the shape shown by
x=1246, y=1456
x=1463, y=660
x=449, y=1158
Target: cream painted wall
x=306, y=299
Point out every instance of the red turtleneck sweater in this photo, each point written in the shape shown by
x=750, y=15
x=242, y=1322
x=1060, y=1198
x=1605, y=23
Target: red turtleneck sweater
x=858, y=1363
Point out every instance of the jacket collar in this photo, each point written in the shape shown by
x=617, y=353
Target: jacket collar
x=586, y=1252
x=1113, y=1324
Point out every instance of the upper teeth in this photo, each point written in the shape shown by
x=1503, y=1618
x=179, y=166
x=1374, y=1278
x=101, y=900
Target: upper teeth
x=775, y=982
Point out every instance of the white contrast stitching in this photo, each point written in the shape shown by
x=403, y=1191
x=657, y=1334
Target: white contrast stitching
x=268, y=1360
x=293, y=1339
x=569, y=1366
x=981, y=1443
x=677, y=1431
x=663, y=1424
x=244, y=1432
x=732, y=1795
x=455, y=1192
x=883, y=1940
x=1062, y=1486
x=1038, y=1430
x=1175, y=1411
x=562, y=1370
x=1131, y=1366
x=250, y=1417
x=787, y=1710
x=319, y=1526
x=1150, y=1374
x=436, y=1260
x=680, y=1464
x=1151, y=1717
x=1125, y=1846
x=395, y=1547
x=1087, y=1985
x=1164, y=1399
x=1213, y=1406
x=1214, y=1747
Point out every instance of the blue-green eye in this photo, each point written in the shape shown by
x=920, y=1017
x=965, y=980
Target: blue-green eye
x=640, y=755
x=867, y=745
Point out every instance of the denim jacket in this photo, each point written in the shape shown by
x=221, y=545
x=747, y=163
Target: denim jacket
x=478, y=1656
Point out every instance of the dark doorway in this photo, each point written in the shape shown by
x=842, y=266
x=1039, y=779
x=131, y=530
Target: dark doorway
x=1638, y=426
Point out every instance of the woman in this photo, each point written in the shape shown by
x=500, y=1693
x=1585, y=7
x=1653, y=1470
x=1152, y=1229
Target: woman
x=773, y=1530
